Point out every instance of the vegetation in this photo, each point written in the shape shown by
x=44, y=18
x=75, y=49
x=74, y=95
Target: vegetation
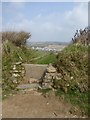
x=46, y=58
x=77, y=99
x=72, y=63
x=26, y=55
x=12, y=54
x=18, y=38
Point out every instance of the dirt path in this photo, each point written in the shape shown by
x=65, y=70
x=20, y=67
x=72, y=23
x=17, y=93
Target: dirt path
x=29, y=103
x=33, y=105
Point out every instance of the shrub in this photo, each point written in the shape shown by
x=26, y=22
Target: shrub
x=72, y=63
x=18, y=38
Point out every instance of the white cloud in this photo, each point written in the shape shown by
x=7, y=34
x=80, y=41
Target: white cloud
x=14, y=0
x=78, y=15
x=56, y=26
x=45, y=0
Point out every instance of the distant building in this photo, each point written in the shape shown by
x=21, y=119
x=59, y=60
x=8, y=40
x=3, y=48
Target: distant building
x=47, y=49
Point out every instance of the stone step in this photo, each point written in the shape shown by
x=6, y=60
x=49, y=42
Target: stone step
x=35, y=71
x=28, y=86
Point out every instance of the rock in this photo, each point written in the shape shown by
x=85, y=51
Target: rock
x=57, y=78
x=14, y=67
x=47, y=85
x=48, y=77
x=39, y=87
x=51, y=69
x=55, y=113
x=18, y=63
x=16, y=71
x=15, y=81
x=71, y=77
x=15, y=75
x=33, y=80
x=47, y=80
x=53, y=75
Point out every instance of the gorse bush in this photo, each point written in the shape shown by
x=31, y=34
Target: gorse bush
x=18, y=38
x=72, y=63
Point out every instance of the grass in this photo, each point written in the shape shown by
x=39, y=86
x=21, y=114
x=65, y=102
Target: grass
x=29, y=55
x=46, y=59
x=6, y=94
x=44, y=90
x=76, y=99
x=13, y=54
x=72, y=62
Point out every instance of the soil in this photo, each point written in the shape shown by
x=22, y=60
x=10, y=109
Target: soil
x=32, y=104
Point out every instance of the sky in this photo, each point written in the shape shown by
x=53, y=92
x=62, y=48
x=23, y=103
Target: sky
x=46, y=21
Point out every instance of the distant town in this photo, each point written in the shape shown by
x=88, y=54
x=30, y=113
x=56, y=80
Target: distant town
x=47, y=46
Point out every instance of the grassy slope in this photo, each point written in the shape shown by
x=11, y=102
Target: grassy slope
x=72, y=63
x=46, y=59
x=29, y=55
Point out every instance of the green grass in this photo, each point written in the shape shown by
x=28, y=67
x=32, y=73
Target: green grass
x=24, y=53
x=44, y=91
x=46, y=59
x=76, y=99
x=73, y=62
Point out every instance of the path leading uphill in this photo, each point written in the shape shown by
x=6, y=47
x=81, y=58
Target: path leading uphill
x=28, y=103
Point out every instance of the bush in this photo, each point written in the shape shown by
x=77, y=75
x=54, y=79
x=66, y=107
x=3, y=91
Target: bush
x=18, y=38
x=72, y=63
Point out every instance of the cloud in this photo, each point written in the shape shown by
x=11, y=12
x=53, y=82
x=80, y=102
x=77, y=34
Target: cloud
x=78, y=15
x=14, y=0
x=44, y=0
x=55, y=26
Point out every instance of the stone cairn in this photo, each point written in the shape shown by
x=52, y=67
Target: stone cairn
x=17, y=72
x=49, y=76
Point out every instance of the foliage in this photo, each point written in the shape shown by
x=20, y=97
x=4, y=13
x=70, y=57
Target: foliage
x=72, y=63
x=80, y=100
x=12, y=54
x=46, y=59
x=18, y=38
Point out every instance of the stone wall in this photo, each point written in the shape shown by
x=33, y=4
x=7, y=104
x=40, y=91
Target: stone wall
x=17, y=72
x=54, y=80
x=49, y=77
